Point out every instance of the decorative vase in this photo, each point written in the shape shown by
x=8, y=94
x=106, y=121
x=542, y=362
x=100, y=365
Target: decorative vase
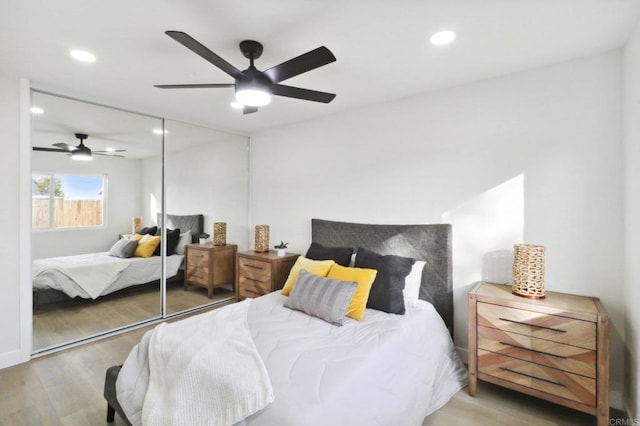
x=262, y=238
x=528, y=271
x=219, y=233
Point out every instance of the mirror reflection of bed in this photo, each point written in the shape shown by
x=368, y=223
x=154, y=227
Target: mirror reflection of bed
x=131, y=186
x=82, y=295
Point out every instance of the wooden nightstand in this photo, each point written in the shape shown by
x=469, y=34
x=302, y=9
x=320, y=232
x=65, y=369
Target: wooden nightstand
x=261, y=273
x=210, y=266
x=556, y=348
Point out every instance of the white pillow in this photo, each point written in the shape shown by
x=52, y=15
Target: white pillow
x=411, y=290
x=184, y=240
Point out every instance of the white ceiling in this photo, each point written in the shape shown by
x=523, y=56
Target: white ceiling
x=381, y=47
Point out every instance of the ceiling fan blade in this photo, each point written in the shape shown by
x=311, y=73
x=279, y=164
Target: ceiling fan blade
x=196, y=47
x=115, y=150
x=301, y=64
x=249, y=109
x=38, y=148
x=192, y=86
x=304, y=94
x=66, y=146
x=108, y=155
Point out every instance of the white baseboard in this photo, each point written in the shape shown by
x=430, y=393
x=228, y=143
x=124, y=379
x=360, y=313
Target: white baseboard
x=10, y=358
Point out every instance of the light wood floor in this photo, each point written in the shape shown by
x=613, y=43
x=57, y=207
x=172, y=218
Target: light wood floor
x=68, y=320
x=66, y=388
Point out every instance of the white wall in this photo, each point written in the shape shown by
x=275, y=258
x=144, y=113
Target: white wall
x=549, y=138
x=122, y=202
x=9, y=221
x=632, y=215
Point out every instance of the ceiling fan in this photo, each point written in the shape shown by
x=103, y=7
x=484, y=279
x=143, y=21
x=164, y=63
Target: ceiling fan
x=81, y=151
x=253, y=88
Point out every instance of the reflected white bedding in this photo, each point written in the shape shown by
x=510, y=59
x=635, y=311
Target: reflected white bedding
x=387, y=370
x=49, y=273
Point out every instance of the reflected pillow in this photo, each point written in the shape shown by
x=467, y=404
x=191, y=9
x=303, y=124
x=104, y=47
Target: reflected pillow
x=317, y=267
x=386, y=292
x=146, y=246
x=182, y=243
x=124, y=248
x=340, y=255
x=148, y=230
x=364, y=278
x=321, y=297
x=412, y=284
x=173, y=237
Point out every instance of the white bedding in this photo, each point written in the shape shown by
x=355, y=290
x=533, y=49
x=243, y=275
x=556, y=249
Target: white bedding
x=386, y=370
x=54, y=273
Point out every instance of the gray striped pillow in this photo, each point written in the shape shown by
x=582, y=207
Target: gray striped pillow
x=325, y=298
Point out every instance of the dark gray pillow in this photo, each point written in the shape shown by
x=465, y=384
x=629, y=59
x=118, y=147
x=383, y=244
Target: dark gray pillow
x=324, y=298
x=341, y=255
x=124, y=248
x=386, y=291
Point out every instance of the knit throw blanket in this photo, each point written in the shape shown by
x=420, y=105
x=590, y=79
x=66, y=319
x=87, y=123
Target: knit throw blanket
x=204, y=370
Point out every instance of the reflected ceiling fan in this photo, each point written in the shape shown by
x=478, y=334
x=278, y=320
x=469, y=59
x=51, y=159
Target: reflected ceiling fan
x=81, y=151
x=254, y=87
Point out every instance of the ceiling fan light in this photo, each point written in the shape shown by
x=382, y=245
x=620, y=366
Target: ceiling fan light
x=81, y=154
x=253, y=97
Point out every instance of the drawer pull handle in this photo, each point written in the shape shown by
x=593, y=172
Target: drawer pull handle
x=252, y=279
x=533, y=325
x=253, y=266
x=533, y=377
x=532, y=350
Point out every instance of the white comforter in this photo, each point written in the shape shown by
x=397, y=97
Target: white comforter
x=74, y=275
x=386, y=370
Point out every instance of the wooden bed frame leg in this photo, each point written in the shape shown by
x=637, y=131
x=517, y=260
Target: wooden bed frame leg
x=111, y=413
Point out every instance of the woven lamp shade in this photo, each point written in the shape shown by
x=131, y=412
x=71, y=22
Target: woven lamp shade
x=528, y=271
x=219, y=233
x=136, y=225
x=262, y=238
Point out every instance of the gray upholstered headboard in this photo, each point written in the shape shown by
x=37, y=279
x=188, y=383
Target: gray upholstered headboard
x=431, y=243
x=191, y=222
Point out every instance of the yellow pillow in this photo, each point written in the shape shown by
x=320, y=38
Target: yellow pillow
x=136, y=237
x=364, y=278
x=317, y=267
x=146, y=246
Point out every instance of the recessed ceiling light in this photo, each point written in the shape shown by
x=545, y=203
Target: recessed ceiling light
x=160, y=131
x=83, y=56
x=36, y=110
x=236, y=105
x=108, y=149
x=442, y=38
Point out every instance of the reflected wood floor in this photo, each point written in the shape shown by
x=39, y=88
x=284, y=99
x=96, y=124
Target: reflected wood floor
x=68, y=320
x=66, y=388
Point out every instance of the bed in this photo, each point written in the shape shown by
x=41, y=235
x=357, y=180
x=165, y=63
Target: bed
x=92, y=275
x=387, y=369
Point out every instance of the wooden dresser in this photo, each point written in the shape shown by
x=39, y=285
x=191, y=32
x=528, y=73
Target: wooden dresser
x=209, y=266
x=556, y=348
x=261, y=273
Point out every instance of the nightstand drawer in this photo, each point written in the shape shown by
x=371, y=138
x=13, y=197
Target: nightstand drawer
x=198, y=275
x=197, y=257
x=252, y=288
x=549, y=327
x=569, y=358
x=254, y=269
x=548, y=380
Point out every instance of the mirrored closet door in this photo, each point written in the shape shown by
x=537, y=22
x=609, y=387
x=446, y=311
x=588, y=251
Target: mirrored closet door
x=91, y=167
x=206, y=182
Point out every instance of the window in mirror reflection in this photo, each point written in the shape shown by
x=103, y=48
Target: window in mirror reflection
x=67, y=201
